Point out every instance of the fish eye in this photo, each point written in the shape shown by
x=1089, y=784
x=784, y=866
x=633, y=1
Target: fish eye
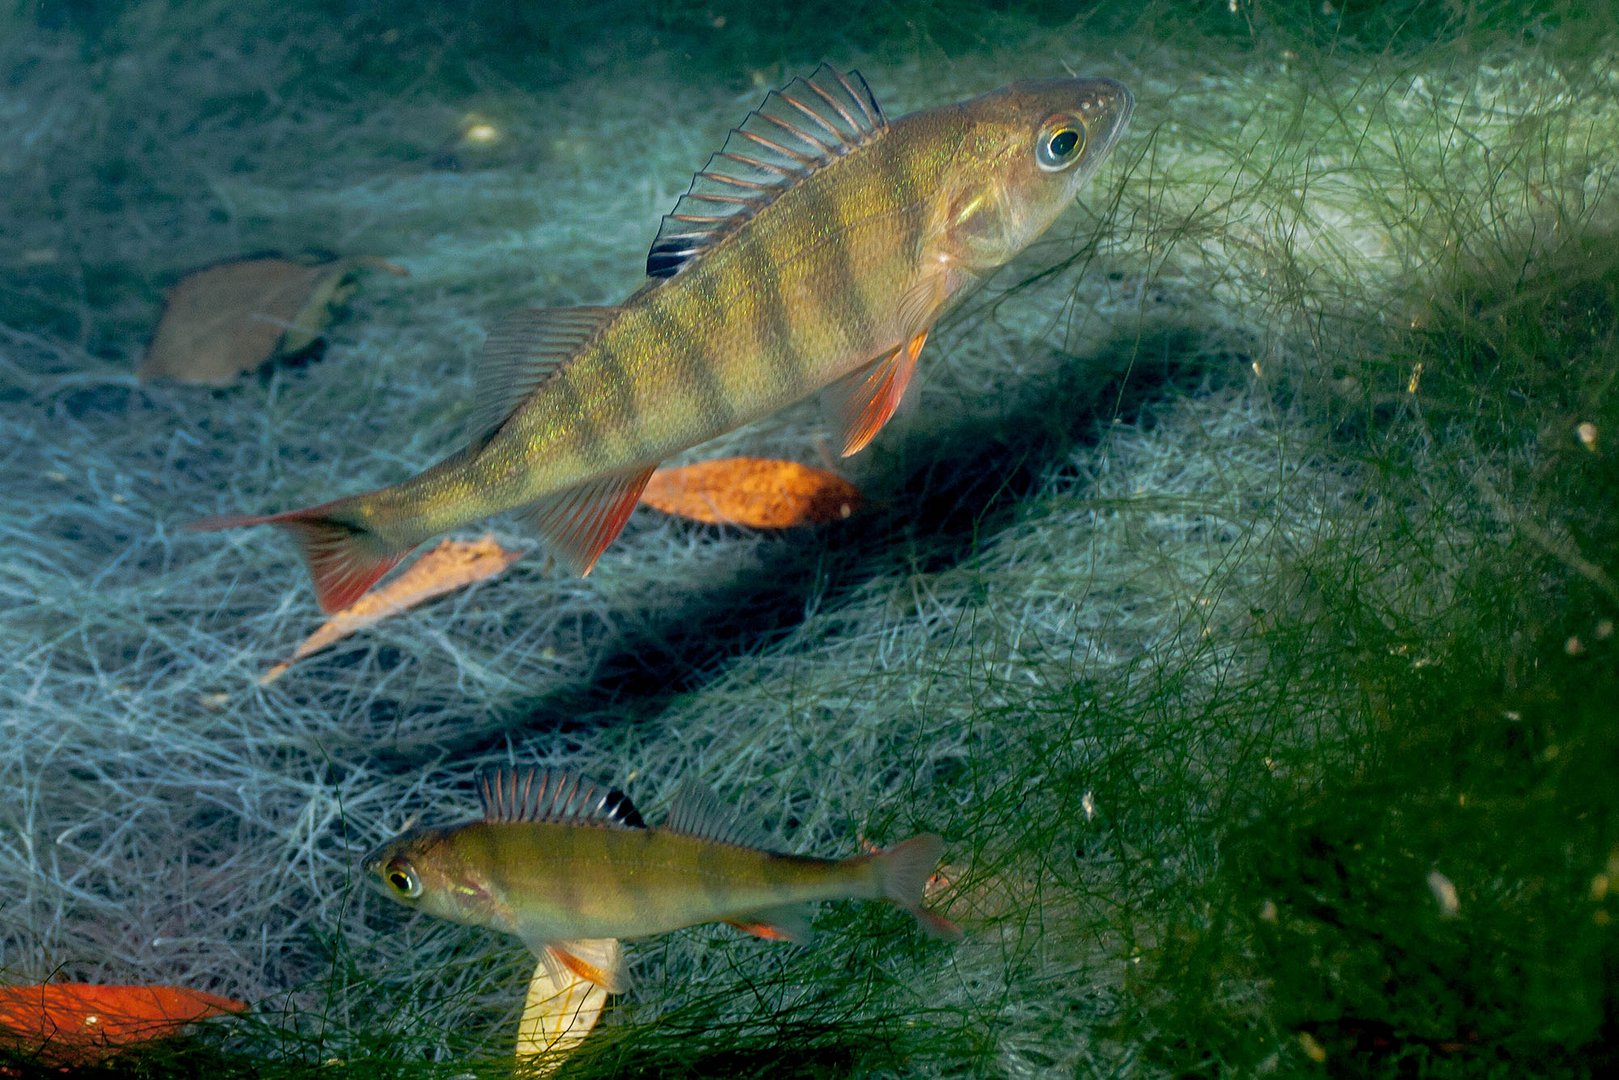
x=403, y=880
x=1060, y=145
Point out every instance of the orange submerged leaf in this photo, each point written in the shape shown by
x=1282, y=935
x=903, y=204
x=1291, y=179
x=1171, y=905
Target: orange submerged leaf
x=452, y=565
x=231, y=318
x=78, y=1022
x=557, y=1016
x=757, y=492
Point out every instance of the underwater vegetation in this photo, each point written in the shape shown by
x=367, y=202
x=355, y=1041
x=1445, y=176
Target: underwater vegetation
x=1234, y=593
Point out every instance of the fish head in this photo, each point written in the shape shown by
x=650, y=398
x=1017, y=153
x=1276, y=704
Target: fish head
x=1027, y=150
x=425, y=869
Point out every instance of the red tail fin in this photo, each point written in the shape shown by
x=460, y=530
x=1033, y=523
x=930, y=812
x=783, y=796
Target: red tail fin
x=345, y=559
x=904, y=870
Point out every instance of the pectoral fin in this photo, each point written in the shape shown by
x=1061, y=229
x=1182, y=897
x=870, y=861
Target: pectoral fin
x=863, y=402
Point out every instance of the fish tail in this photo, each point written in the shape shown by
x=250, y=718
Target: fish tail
x=902, y=874
x=345, y=557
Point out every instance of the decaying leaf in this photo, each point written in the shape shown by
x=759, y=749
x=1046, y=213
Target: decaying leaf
x=231, y=318
x=452, y=565
x=757, y=492
x=558, y=1016
x=79, y=1023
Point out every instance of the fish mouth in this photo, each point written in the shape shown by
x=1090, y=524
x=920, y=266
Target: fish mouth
x=1108, y=105
x=371, y=863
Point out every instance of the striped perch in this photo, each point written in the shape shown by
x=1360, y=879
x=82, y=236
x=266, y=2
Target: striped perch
x=571, y=867
x=814, y=252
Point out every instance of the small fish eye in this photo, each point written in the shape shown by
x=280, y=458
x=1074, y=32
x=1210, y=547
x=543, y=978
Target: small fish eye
x=1060, y=148
x=403, y=880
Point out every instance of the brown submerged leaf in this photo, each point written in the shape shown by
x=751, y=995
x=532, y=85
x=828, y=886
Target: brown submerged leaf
x=758, y=492
x=231, y=318
x=557, y=1016
x=452, y=565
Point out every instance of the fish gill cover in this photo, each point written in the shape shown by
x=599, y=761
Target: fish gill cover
x=1236, y=596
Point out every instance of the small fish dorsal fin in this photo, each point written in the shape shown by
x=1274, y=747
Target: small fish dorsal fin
x=552, y=795
x=523, y=352
x=798, y=129
x=697, y=811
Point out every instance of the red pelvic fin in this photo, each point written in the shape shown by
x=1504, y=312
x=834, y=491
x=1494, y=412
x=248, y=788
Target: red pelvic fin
x=599, y=960
x=864, y=402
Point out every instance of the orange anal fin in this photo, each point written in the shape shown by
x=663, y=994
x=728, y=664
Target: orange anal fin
x=579, y=523
x=864, y=402
x=760, y=930
x=789, y=922
x=344, y=559
x=596, y=961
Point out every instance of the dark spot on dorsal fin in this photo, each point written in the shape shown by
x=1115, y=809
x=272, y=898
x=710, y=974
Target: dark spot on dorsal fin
x=534, y=794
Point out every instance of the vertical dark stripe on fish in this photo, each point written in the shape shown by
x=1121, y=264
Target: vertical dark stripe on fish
x=842, y=301
x=585, y=437
x=706, y=301
x=897, y=188
x=715, y=874
x=701, y=388
x=771, y=330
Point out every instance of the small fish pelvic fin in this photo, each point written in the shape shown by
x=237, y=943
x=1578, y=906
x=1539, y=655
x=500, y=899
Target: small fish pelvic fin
x=595, y=960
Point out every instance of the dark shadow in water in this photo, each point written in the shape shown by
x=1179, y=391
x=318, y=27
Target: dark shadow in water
x=947, y=490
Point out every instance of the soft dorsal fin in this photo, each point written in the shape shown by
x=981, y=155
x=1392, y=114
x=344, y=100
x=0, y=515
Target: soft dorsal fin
x=523, y=352
x=798, y=129
x=697, y=811
x=555, y=796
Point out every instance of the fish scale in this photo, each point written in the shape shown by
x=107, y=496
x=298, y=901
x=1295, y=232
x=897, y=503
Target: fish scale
x=814, y=252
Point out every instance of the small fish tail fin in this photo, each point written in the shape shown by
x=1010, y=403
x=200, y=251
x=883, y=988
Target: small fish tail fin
x=345, y=558
x=903, y=872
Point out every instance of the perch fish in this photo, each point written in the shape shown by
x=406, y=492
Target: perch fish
x=571, y=867
x=814, y=252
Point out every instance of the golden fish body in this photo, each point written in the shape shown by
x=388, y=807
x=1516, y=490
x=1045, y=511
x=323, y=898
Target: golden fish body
x=564, y=865
x=815, y=251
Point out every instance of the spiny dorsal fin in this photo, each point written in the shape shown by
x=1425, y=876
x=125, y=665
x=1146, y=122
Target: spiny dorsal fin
x=697, y=811
x=523, y=352
x=552, y=795
x=797, y=130
x=580, y=522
